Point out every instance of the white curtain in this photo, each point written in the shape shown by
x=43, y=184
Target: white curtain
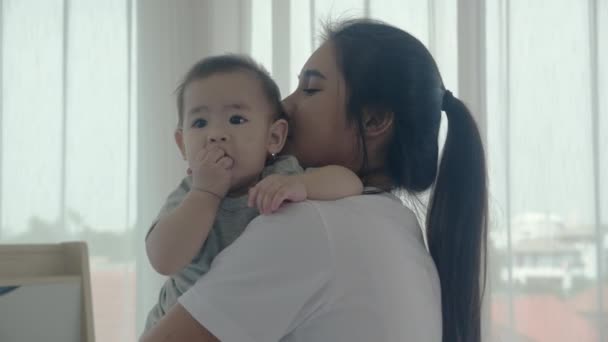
x=87, y=115
x=547, y=132
x=68, y=140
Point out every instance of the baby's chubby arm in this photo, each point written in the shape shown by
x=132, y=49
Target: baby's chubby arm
x=324, y=183
x=178, y=236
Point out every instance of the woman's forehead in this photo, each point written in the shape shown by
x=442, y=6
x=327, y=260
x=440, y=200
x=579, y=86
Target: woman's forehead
x=322, y=61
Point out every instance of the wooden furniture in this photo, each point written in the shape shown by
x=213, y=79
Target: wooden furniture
x=45, y=293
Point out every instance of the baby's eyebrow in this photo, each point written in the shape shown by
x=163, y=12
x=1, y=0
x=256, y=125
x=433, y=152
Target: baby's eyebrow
x=228, y=107
x=198, y=109
x=238, y=105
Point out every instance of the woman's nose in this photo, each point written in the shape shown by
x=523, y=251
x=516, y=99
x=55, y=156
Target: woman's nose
x=288, y=105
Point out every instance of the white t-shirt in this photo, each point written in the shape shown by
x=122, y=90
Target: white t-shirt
x=354, y=269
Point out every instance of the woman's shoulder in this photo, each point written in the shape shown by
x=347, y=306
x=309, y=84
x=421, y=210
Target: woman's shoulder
x=369, y=204
x=294, y=210
x=292, y=221
x=322, y=219
x=315, y=211
x=383, y=214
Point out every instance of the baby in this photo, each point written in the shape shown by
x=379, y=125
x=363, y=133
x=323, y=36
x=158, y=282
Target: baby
x=231, y=129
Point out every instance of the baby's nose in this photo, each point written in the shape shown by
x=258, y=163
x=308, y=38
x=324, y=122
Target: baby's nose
x=217, y=137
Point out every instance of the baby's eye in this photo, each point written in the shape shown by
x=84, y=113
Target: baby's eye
x=199, y=123
x=237, y=120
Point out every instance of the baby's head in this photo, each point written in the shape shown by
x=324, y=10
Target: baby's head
x=232, y=102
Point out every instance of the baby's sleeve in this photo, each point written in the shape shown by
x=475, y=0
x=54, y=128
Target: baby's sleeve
x=283, y=165
x=175, y=198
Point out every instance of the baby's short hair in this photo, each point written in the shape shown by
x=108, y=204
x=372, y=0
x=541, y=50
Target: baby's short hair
x=227, y=63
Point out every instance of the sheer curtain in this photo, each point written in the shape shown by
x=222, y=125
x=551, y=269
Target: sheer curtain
x=548, y=152
x=87, y=116
x=67, y=128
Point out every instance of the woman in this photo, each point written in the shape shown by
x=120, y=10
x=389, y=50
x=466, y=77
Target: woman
x=370, y=98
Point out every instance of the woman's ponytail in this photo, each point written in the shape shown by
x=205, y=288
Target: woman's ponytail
x=457, y=224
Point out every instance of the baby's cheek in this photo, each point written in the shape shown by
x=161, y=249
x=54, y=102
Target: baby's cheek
x=192, y=154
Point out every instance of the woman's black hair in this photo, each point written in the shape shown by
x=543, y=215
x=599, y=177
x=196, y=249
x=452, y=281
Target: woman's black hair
x=388, y=70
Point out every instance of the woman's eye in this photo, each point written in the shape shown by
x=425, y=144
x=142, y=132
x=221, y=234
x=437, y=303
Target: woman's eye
x=310, y=91
x=199, y=123
x=237, y=120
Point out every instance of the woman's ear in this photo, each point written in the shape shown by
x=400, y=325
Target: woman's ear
x=277, y=135
x=377, y=122
x=179, y=141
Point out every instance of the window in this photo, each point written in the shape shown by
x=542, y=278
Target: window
x=548, y=160
x=67, y=124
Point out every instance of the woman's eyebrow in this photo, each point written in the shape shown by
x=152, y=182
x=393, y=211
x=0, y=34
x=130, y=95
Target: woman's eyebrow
x=312, y=73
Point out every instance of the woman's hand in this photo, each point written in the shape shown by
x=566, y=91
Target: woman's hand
x=272, y=191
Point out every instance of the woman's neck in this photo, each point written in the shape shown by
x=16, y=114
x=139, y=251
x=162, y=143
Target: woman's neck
x=377, y=179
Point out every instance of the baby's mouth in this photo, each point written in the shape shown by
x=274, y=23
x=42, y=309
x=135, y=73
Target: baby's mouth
x=229, y=156
x=226, y=154
x=224, y=150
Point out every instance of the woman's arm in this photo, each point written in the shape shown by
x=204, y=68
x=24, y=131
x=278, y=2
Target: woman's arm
x=178, y=236
x=177, y=326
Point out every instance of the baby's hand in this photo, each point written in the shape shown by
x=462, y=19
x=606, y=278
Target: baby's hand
x=212, y=171
x=272, y=191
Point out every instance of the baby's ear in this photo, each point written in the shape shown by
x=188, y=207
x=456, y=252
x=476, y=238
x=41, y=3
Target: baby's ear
x=277, y=136
x=179, y=141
